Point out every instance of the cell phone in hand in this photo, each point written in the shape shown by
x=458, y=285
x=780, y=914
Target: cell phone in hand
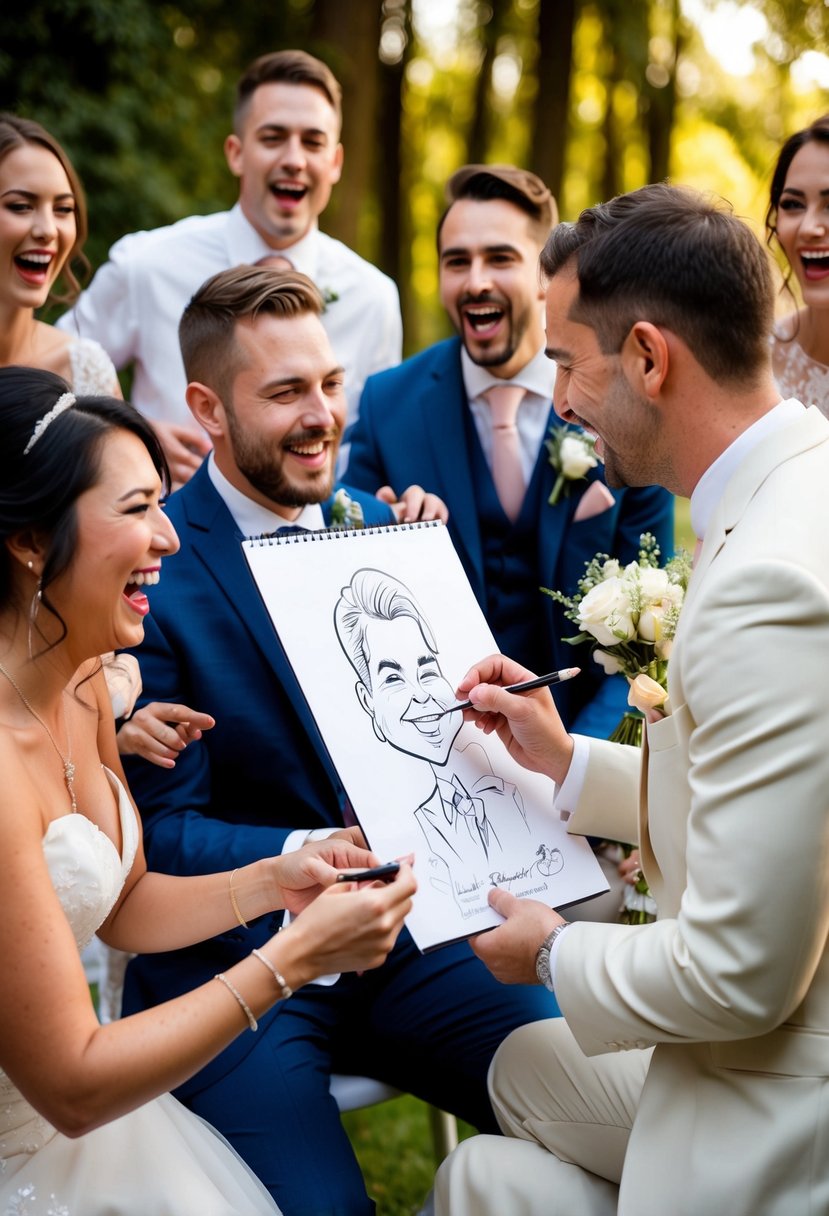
x=384, y=873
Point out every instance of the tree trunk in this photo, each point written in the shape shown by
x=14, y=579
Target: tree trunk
x=347, y=37
x=556, y=22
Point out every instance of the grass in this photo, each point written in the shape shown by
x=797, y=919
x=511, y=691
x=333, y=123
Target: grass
x=393, y=1143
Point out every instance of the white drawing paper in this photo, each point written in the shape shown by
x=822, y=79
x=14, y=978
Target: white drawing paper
x=379, y=626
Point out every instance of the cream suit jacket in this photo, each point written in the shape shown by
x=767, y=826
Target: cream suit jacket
x=731, y=984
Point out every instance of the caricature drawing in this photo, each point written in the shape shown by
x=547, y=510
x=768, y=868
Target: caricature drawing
x=391, y=646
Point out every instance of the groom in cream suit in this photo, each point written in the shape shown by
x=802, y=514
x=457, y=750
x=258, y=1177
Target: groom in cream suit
x=691, y=1075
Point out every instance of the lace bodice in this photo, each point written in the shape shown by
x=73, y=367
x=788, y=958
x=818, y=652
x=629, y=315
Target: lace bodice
x=93, y=372
x=797, y=374
x=88, y=875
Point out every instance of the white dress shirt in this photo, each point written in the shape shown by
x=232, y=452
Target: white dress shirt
x=135, y=301
x=537, y=377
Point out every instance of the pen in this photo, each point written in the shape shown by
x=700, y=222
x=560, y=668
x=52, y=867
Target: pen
x=552, y=677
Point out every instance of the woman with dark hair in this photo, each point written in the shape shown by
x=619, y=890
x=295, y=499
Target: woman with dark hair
x=43, y=226
x=798, y=216
x=86, y=1125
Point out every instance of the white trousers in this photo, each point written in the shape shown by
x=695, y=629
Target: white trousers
x=566, y=1118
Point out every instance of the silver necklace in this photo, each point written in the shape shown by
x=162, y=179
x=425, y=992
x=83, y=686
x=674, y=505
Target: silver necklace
x=66, y=761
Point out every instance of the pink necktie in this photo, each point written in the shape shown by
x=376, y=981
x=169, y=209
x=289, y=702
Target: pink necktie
x=507, y=470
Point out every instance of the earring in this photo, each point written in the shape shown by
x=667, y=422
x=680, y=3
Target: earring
x=30, y=564
x=33, y=611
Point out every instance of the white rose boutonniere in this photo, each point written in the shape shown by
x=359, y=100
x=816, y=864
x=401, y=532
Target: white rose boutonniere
x=572, y=455
x=345, y=512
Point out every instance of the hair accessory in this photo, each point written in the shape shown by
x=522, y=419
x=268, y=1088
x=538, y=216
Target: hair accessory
x=235, y=904
x=63, y=403
x=281, y=982
x=234, y=991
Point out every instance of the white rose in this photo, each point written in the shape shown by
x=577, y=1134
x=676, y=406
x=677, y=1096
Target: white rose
x=663, y=648
x=646, y=694
x=654, y=584
x=605, y=613
x=650, y=623
x=608, y=662
x=575, y=456
x=612, y=568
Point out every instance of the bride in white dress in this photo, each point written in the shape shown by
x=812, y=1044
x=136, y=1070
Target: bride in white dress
x=86, y=1125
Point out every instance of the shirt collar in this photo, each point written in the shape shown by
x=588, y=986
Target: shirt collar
x=711, y=486
x=537, y=377
x=251, y=518
x=246, y=245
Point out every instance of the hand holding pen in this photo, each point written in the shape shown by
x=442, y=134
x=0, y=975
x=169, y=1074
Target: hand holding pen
x=528, y=724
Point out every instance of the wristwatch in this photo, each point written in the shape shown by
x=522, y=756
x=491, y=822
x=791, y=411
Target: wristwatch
x=542, y=959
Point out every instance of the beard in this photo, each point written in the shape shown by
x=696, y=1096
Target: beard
x=264, y=466
x=517, y=325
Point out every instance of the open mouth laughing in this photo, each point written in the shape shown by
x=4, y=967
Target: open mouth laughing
x=483, y=318
x=288, y=194
x=33, y=265
x=133, y=594
x=815, y=263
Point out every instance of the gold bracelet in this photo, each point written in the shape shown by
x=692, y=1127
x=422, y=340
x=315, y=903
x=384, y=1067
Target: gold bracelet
x=239, y=916
x=248, y=1012
x=281, y=983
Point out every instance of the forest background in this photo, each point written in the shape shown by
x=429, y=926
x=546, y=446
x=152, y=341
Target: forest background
x=596, y=96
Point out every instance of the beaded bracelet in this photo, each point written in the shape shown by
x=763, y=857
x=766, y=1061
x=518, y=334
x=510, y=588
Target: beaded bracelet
x=281, y=983
x=246, y=1009
x=235, y=905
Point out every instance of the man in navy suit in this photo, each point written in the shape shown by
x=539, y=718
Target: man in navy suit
x=432, y=420
x=265, y=385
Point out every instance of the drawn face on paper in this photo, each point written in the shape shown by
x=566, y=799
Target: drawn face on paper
x=408, y=691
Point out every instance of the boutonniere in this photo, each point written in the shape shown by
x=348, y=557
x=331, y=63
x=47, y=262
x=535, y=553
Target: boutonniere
x=572, y=455
x=329, y=296
x=345, y=512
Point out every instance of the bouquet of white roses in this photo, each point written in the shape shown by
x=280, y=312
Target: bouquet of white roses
x=630, y=614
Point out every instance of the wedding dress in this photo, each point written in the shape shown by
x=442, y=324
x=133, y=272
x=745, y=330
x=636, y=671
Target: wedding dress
x=159, y=1160
x=797, y=374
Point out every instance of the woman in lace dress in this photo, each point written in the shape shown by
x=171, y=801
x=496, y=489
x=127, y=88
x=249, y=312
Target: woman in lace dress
x=86, y=1125
x=43, y=226
x=798, y=216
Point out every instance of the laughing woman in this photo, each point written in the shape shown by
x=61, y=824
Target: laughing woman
x=86, y=1124
x=43, y=226
x=798, y=216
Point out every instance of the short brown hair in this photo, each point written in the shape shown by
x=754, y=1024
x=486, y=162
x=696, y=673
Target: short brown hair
x=287, y=67
x=677, y=258
x=16, y=132
x=207, y=328
x=517, y=186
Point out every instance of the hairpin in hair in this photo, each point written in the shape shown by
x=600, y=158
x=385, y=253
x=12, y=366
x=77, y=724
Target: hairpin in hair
x=63, y=403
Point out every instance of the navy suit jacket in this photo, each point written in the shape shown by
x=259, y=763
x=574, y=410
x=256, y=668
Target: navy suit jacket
x=412, y=430
x=261, y=772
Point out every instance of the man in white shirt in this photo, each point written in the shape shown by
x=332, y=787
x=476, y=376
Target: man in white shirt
x=285, y=149
x=691, y=1073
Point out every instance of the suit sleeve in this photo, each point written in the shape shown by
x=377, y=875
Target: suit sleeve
x=186, y=832
x=742, y=952
x=105, y=311
x=643, y=510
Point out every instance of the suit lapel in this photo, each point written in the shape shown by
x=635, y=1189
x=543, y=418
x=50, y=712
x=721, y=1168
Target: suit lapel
x=216, y=544
x=444, y=408
x=768, y=455
x=553, y=521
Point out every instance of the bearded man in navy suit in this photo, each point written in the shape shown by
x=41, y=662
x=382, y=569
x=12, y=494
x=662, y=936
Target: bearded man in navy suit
x=432, y=421
x=266, y=386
